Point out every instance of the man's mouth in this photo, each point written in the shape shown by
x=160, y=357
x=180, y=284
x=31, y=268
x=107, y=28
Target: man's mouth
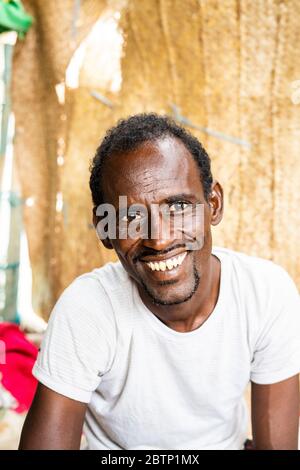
x=166, y=264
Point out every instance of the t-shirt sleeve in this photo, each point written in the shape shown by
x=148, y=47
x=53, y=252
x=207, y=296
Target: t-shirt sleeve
x=79, y=344
x=276, y=354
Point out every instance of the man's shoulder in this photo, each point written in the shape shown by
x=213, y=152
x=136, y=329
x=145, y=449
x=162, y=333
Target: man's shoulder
x=96, y=287
x=247, y=262
x=261, y=273
x=261, y=288
x=111, y=276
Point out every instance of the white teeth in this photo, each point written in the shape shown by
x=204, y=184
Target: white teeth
x=168, y=264
x=162, y=266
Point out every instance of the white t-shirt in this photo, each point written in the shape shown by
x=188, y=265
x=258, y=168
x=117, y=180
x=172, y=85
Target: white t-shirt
x=150, y=387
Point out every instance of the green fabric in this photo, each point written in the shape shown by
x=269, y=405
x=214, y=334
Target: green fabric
x=13, y=17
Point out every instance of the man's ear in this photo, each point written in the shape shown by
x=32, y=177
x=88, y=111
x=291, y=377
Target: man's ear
x=106, y=241
x=216, y=203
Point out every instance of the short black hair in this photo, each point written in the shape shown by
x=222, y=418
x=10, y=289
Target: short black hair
x=129, y=133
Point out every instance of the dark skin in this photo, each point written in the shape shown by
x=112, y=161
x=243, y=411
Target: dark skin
x=184, y=304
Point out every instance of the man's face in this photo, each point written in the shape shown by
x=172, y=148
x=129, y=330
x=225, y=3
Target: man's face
x=160, y=173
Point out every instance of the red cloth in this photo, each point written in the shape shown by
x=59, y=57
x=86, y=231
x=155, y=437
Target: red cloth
x=16, y=372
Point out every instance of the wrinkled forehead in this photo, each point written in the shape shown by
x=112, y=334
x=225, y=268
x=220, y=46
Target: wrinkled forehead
x=153, y=171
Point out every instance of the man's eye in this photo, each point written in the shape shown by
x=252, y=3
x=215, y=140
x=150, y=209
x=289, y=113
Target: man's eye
x=132, y=216
x=178, y=206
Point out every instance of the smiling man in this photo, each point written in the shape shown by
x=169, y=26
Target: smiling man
x=156, y=351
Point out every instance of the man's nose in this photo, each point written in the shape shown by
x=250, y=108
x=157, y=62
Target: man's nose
x=159, y=231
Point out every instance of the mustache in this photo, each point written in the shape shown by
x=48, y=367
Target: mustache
x=151, y=251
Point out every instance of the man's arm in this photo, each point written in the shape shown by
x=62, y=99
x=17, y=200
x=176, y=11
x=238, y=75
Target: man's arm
x=275, y=415
x=53, y=422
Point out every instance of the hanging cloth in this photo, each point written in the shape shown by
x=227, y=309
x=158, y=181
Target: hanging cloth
x=15, y=370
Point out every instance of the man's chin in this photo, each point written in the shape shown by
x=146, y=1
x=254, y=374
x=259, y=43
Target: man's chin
x=175, y=299
x=172, y=292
